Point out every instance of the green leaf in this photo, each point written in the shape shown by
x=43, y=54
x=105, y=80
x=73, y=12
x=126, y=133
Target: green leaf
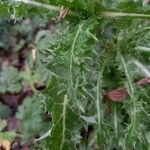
x=29, y=113
x=8, y=135
x=30, y=78
x=3, y=124
x=10, y=80
x=5, y=111
x=89, y=54
x=64, y=118
x=3, y=10
x=64, y=123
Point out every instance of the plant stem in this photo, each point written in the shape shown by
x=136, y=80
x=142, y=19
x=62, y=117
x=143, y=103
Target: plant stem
x=143, y=48
x=104, y=13
x=38, y=4
x=99, y=111
x=142, y=67
x=122, y=14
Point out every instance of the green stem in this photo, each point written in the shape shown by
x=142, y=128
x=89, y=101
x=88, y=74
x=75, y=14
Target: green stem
x=99, y=111
x=115, y=121
x=142, y=67
x=143, y=48
x=122, y=14
x=104, y=13
x=38, y=4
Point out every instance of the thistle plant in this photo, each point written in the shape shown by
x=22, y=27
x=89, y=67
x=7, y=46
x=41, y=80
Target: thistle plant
x=92, y=52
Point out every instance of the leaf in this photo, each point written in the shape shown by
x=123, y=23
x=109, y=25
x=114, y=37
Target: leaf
x=120, y=94
x=10, y=80
x=117, y=95
x=45, y=135
x=30, y=78
x=90, y=52
x=5, y=111
x=9, y=136
x=5, y=136
x=29, y=113
x=144, y=81
x=2, y=124
x=43, y=39
x=148, y=137
x=64, y=118
x=89, y=120
x=3, y=10
x=64, y=123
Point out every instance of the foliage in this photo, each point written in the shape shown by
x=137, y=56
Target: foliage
x=62, y=113
x=94, y=49
x=10, y=80
x=4, y=111
x=30, y=115
x=5, y=135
